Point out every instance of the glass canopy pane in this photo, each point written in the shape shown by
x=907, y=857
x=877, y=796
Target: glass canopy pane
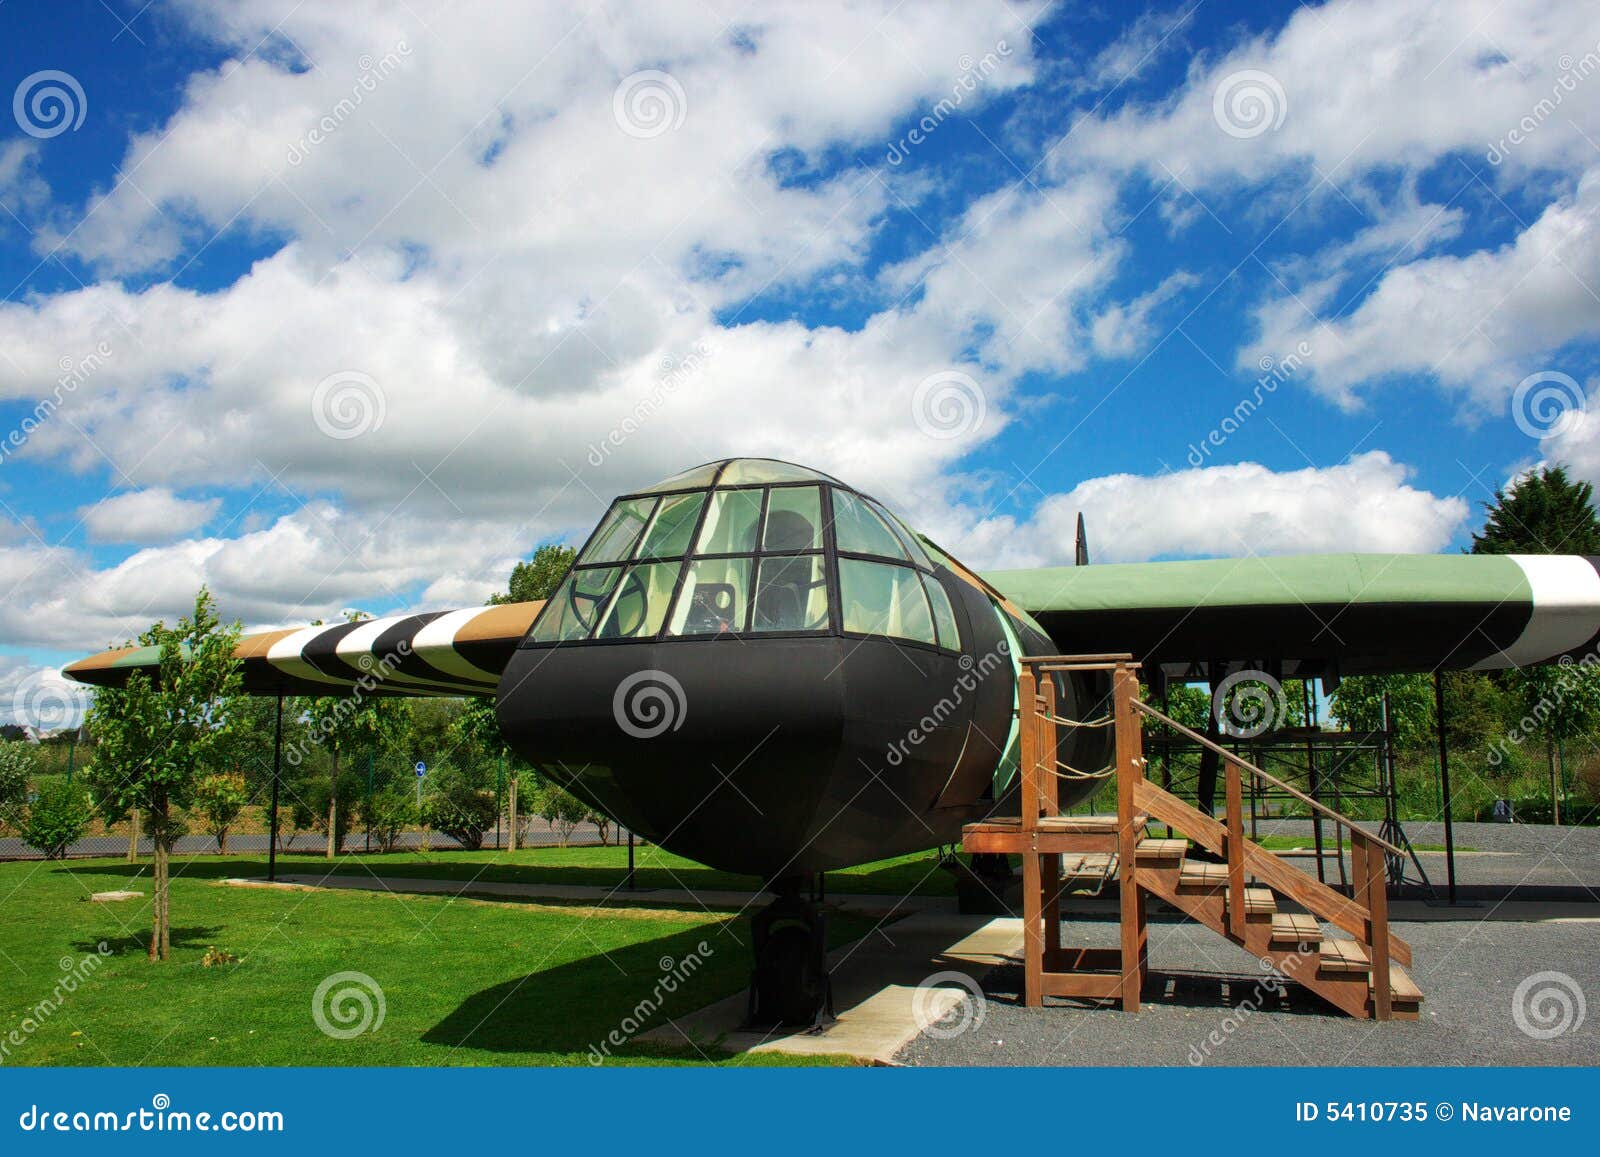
x=730, y=526
x=572, y=611
x=903, y=533
x=944, y=616
x=745, y=471
x=668, y=536
x=791, y=594
x=715, y=593
x=619, y=530
x=640, y=604
x=794, y=519
x=858, y=530
x=687, y=479
x=878, y=599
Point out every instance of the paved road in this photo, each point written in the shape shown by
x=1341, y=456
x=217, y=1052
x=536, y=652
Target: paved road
x=537, y=835
x=1469, y=971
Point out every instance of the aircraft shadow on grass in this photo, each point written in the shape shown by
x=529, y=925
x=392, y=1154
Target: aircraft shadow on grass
x=574, y=1007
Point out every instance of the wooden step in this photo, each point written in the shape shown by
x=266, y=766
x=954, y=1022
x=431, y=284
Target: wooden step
x=1167, y=853
x=1199, y=874
x=1259, y=904
x=1402, y=989
x=1344, y=956
x=1291, y=929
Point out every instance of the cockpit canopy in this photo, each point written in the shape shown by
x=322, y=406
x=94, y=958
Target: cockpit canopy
x=749, y=547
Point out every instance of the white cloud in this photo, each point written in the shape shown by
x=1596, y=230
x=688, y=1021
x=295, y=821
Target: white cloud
x=1479, y=322
x=147, y=516
x=1227, y=511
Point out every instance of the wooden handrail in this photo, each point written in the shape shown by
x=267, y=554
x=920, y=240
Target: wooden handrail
x=1323, y=809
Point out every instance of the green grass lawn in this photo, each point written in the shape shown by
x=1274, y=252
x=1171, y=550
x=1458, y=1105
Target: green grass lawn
x=463, y=982
x=605, y=867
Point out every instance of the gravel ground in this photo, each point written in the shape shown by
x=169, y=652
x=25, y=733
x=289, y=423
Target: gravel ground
x=1503, y=854
x=1469, y=971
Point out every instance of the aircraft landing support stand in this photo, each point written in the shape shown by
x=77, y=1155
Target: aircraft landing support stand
x=1360, y=972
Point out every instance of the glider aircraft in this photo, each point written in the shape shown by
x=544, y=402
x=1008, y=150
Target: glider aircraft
x=759, y=667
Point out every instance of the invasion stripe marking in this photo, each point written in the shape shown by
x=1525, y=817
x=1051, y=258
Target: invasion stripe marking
x=285, y=656
x=1566, y=609
x=435, y=643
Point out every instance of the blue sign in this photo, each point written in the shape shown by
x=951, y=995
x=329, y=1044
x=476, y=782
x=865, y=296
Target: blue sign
x=422, y=769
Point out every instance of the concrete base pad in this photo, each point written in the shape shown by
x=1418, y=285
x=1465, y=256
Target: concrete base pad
x=886, y=989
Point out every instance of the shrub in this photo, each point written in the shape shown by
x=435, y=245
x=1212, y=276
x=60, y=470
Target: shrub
x=459, y=808
x=16, y=765
x=58, y=817
x=389, y=812
x=218, y=800
x=562, y=810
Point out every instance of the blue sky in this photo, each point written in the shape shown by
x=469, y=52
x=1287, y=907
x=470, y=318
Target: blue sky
x=363, y=302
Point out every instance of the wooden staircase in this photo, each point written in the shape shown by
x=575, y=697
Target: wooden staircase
x=1338, y=946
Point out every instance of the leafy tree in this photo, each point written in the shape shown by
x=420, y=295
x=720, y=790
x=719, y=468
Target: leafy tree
x=458, y=805
x=16, y=765
x=57, y=818
x=347, y=724
x=153, y=735
x=562, y=810
x=1544, y=512
x=218, y=799
x=538, y=577
x=1358, y=705
x=388, y=812
x=1559, y=702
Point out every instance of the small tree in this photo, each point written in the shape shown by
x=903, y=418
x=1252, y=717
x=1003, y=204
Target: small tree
x=562, y=810
x=459, y=807
x=388, y=812
x=16, y=765
x=153, y=735
x=1358, y=704
x=218, y=800
x=1559, y=702
x=57, y=818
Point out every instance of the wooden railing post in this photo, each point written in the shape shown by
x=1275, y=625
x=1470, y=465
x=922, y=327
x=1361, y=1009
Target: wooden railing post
x=1049, y=803
x=1028, y=746
x=1236, y=852
x=1129, y=732
x=1375, y=900
x=1032, y=874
